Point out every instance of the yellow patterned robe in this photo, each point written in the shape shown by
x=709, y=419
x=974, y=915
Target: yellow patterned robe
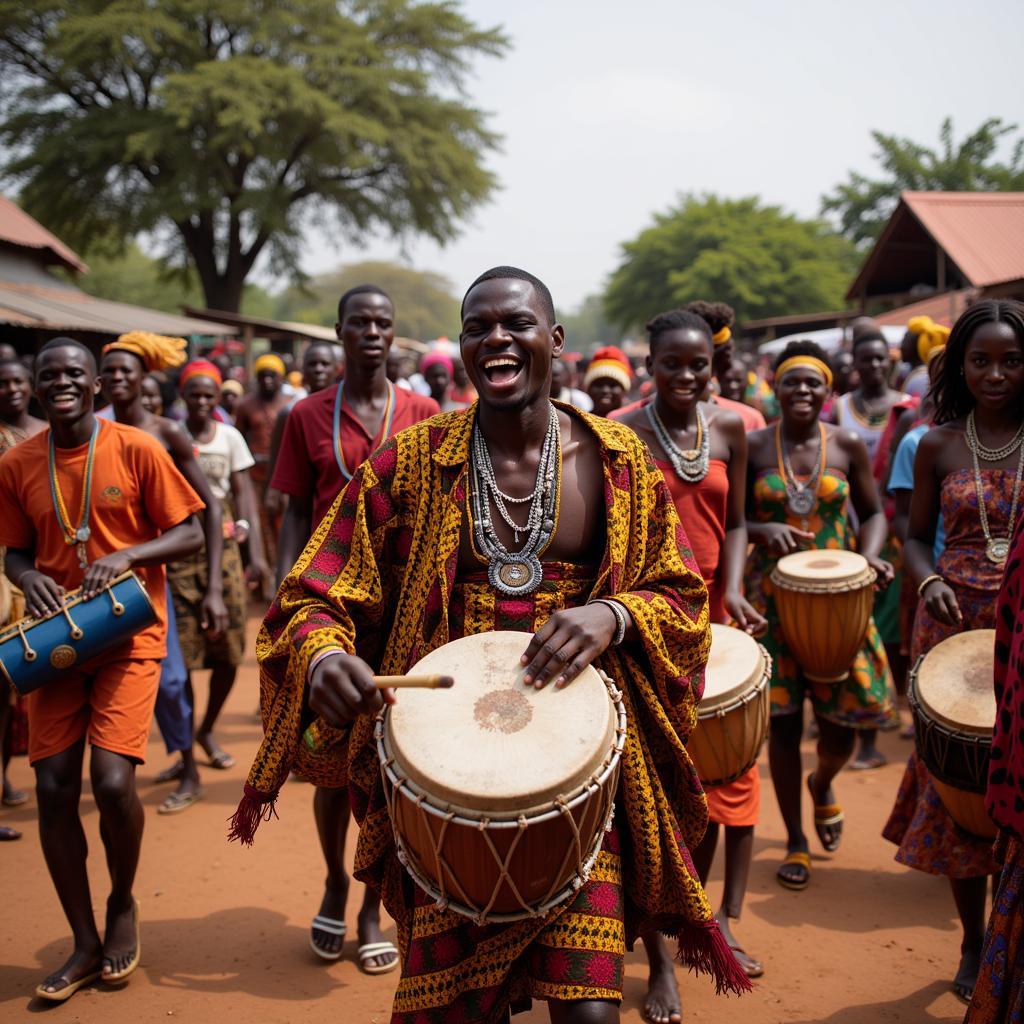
x=377, y=578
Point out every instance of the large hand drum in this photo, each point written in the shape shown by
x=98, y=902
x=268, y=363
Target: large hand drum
x=954, y=709
x=824, y=600
x=500, y=794
x=732, y=720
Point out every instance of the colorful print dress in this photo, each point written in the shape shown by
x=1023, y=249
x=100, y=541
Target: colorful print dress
x=862, y=701
x=919, y=824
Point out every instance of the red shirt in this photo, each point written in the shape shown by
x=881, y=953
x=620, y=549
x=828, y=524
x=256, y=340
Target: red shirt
x=306, y=462
x=137, y=493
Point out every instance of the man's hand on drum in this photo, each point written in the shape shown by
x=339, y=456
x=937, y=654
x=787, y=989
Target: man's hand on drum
x=745, y=615
x=940, y=603
x=883, y=569
x=783, y=539
x=342, y=688
x=42, y=594
x=103, y=570
x=567, y=643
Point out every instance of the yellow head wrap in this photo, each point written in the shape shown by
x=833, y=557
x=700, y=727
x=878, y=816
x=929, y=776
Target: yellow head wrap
x=156, y=351
x=795, y=362
x=722, y=336
x=930, y=336
x=271, y=362
x=233, y=386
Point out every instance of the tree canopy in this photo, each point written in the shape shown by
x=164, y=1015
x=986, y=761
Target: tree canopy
x=425, y=307
x=760, y=259
x=226, y=130
x=862, y=205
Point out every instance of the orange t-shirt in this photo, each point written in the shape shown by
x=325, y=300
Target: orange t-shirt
x=137, y=493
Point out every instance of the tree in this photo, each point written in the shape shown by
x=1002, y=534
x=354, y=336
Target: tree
x=425, y=307
x=227, y=129
x=759, y=259
x=863, y=205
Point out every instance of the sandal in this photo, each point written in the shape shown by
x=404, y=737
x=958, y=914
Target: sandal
x=136, y=955
x=751, y=968
x=8, y=834
x=172, y=774
x=331, y=926
x=61, y=994
x=371, y=951
x=795, y=858
x=175, y=803
x=15, y=798
x=827, y=816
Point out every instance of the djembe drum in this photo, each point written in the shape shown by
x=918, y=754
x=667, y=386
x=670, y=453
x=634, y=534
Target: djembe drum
x=824, y=599
x=954, y=709
x=732, y=720
x=499, y=793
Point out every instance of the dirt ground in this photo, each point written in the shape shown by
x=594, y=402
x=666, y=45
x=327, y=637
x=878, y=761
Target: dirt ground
x=224, y=930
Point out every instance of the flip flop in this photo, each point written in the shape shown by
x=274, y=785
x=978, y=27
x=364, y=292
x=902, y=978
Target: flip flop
x=332, y=926
x=751, y=968
x=67, y=991
x=796, y=858
x=370, y=951
x=175, y=803
x=826, y=816
x=15, y=798
x=172, y=774
x=136, y=956
x=221, y=760
x=8, y=835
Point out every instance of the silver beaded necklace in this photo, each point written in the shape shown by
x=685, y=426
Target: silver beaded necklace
x=690, y=465
x=520, y=572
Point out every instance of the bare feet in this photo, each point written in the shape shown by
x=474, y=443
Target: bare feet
x=370, y=933
x=967, y=974
x=662, y=1004
x=751, y=968
x=79, y=969
x=332, y=907
x=121, y=941
x=219, y=758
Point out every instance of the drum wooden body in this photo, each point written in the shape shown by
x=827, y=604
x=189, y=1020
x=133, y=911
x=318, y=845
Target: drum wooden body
x=732, y=720
x=500, y=794
x=824, y=600
x=954, y=709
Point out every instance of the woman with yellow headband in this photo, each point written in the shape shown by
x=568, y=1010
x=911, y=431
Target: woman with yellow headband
x=924, y=338
x=803, y=475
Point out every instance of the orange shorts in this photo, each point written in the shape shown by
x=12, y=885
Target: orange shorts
x=736, y=803
x=110, y=702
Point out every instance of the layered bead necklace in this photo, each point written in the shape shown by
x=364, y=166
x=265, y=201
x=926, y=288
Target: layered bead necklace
x=520, y=572
x=690, y=465
x=996, y=548
x=78, y=535
x=801, y=498
x=383, y=434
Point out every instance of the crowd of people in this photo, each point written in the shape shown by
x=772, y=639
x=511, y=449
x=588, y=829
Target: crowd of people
x=377, y=501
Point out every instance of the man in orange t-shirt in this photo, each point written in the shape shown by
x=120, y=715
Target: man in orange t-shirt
x=65, y=527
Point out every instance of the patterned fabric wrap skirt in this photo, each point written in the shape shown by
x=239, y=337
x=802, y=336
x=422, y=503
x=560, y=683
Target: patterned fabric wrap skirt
x=188, y=580
x=999, y=991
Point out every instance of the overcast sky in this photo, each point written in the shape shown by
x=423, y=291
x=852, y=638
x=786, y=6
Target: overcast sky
x=609, y=110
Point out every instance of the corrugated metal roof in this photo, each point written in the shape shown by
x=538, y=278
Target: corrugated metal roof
x=981, y=232
x=18, y=228
x=943, y=309
x=68, y=309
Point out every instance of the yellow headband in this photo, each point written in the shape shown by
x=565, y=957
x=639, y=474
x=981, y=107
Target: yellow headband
x=930, y=335
x=722, y=336
x=268, y=361
x=156, y=351
x=795, y=362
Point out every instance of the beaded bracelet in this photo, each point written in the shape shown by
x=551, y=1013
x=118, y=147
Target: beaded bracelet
x=620, y=619
x=927, y=581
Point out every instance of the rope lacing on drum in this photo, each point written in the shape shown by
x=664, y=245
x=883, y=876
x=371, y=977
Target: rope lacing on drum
x=503, y=874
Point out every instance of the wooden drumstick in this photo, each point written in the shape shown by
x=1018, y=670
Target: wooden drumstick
x=435, y=682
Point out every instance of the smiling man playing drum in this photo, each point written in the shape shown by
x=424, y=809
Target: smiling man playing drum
x=514, y=514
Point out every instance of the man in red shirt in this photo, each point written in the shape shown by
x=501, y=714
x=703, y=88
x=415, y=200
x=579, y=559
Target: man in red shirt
x=326, y=437
x=109, y=500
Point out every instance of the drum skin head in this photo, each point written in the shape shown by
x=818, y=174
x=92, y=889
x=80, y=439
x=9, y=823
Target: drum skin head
x=734, y=662
x=492, y=743
x=954, y=682
x=826, y=565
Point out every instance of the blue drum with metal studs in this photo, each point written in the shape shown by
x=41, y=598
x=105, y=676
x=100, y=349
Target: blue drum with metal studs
x=34, y=652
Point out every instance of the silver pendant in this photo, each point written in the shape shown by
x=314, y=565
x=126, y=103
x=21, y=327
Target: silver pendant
x=997, y=550
x=82, y=534
x=517, y=575
x=801, y=502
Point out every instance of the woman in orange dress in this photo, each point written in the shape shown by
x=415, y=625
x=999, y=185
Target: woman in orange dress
x=702, y=451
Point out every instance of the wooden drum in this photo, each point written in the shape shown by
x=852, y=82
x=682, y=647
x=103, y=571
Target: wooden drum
x=500, y=794
x=732, y=720
x=824, y=599
x=954, y=709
